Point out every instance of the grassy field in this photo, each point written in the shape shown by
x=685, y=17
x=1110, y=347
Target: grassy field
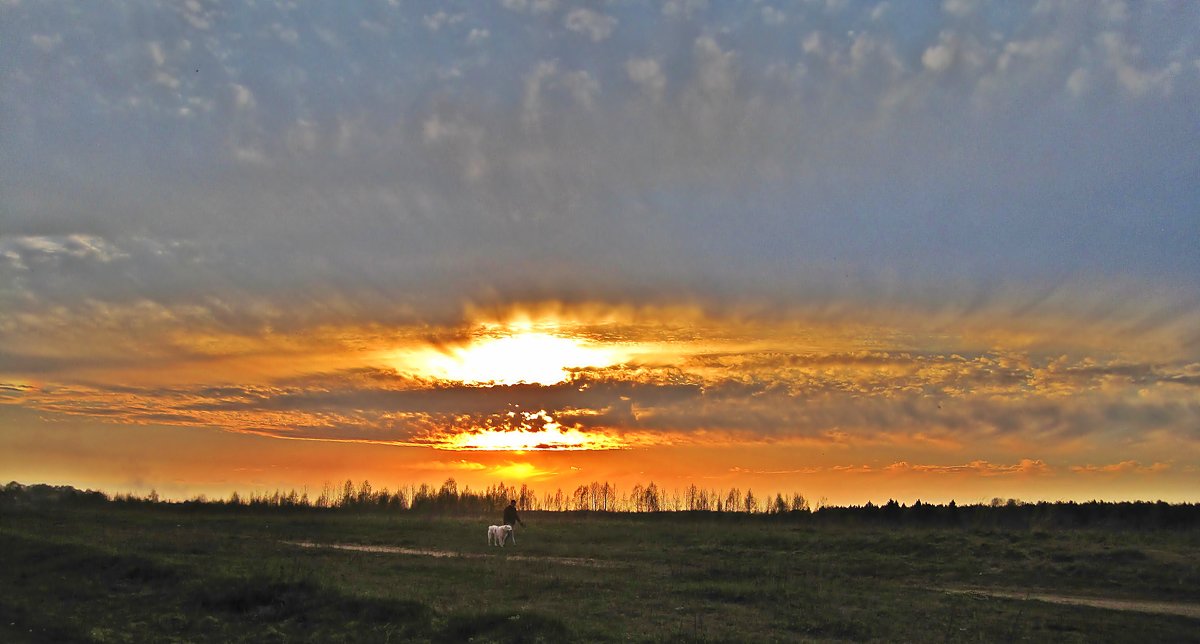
x=113, y=574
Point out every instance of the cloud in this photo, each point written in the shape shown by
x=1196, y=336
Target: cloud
x=979, y=468
x=772, y=16
x=23, y=250
x=1123, y=467
x=46, y=43
x=477, y=36
x=683, y=8
x=733, y=381
x=456, y=465
x=939, y=57
x=1120, y=57
x=535, y=6
x=960, y=8
x=745, y=114
x=714, y=67
x=243, y=97
x=596, y=26
x=195, y=15
x=435, y=21
x=647, y=73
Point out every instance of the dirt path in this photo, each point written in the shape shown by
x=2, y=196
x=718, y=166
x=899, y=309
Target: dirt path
x=424, y=552
x=1135, y=605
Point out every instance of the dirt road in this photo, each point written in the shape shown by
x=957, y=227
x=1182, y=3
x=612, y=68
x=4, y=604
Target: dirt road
x=1135, y=605
x=425, y=552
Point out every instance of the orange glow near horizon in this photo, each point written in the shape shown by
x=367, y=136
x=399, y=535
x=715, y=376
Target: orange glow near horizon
x=846, y=404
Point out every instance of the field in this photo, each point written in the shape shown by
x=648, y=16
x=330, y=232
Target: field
x=117, y=573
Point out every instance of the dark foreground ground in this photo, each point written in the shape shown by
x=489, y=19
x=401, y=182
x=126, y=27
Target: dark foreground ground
x=117, y=574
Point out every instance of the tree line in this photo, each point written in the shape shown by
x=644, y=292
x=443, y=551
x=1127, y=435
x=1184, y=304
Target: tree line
x=449, y=498
x=647, y=500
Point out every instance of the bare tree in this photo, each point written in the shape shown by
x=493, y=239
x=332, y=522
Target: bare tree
x=799, y=503
x=749, y=504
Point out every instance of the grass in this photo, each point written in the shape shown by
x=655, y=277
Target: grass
x=114, y=574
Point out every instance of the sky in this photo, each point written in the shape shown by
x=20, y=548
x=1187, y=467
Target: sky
x=857, y=250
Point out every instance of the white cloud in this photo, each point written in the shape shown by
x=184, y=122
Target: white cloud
x=536, y=6
x=1122, y=59
x=243, y=98
x=596, y=26
x=814, y=44
x=286, y=34
x=939, y=57
x=1037, y=52
x=772, y=16
x=436, y=21
x=196, y=16
x=438, y=129
x=1077, y=82
x=531, y=104
x=156, y=53
x=46, y=43
x=647, y=73
x=166, y=80
x=24, y=250
x=683, y=8
x=582, y=86
x=959, y=8
x=477, y=36
x=714, y=67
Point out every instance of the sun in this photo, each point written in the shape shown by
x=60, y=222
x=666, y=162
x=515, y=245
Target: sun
x=548, y=439
x=520, y=358
x=525, y=431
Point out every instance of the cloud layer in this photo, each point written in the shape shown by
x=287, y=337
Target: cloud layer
x=690, y=146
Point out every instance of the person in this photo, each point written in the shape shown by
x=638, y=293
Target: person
x=511, y=519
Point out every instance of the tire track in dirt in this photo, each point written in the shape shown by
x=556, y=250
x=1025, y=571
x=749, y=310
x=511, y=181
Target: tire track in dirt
x=1110, y=603
x=428, y=552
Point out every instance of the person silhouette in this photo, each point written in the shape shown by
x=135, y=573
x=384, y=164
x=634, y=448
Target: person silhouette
x=512, y=519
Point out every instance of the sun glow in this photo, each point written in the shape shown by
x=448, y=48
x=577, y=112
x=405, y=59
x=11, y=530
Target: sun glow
x=521, y=472
x=522, y=358
x=556, y=438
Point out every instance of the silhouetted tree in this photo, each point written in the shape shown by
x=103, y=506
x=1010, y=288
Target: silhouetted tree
x=781, y=506
x=799, y=503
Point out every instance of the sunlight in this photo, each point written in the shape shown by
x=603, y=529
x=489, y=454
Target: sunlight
x=521, y=472
x=549, y=438
x=523, y=358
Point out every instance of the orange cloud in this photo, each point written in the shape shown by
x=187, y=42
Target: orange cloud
x=1123, y=467
x=1026, y=466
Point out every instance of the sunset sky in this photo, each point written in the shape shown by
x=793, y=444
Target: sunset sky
x=857, y=250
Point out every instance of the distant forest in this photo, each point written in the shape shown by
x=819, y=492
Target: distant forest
x=642, y=500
